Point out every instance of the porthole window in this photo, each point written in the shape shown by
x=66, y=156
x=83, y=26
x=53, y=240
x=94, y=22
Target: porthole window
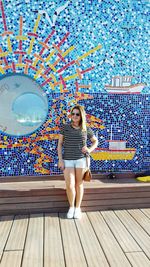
x=23, y=105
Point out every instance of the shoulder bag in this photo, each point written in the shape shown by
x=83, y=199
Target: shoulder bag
x=87, y=175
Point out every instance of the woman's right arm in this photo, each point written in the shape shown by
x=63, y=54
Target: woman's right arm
x=59, y=149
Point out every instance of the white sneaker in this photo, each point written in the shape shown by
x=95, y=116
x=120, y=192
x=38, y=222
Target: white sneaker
x=77, y=213
x=70, y=213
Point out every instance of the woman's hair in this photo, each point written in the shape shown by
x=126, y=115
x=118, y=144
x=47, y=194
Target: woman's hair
x=83, y=116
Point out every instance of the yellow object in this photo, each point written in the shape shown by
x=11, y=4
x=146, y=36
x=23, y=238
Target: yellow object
x=37, y=73
x=36, y=23
x=89, y=52
x=67, y=78
x=1, y=70
x=71, y=48
x=50, y=55
x=9, y=44
x=4, y=54
x=109, y=155
x=20, y=65
x=31, y=46
x=35, y=62
x=21, y=37
x=144, y=179
x=52, y=67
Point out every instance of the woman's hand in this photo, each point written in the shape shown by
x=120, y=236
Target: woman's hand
x=61, y=164
x=85, y=149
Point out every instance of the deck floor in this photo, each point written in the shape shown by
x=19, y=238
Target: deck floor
x=103, y=238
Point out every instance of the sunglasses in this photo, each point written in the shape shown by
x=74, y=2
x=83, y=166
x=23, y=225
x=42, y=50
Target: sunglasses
x=77, y=114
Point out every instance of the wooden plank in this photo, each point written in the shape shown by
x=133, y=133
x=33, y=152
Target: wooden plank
x=26, y=186
x=124, y=238
x=73, y=251
x=5, y=226
x=87, y=197
x=146, y=212
x=53, y=249
x=92, y=249
x=125, y=187
x=136, y=230
x=112, y=250
x=113, y=195
x=52, y=204
x=17, y=235
x=11, y=258
x=32, y=199
x=52, y=197
x=63, y=208
x=32, y=205
x=124, y=184
x=32, y=192
x=35, y=210
x=12, y=179
x=60, y=176
x=33, y=252
x=138, y=259
x=116, y=189
x=141, y=218
x=36, y=190
x=116, y=201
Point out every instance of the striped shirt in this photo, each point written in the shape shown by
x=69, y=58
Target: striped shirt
x=74, y=140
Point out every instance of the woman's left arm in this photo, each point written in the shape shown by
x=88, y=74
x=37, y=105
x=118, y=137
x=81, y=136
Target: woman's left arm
x=94, y=142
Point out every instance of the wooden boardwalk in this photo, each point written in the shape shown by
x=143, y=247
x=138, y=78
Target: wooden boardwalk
x=116, y=238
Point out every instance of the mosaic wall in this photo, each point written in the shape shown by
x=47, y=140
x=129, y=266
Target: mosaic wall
x=54, y=54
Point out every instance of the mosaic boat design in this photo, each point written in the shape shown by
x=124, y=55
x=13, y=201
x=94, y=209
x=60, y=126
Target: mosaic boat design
x=123, y=85
x=117, y=151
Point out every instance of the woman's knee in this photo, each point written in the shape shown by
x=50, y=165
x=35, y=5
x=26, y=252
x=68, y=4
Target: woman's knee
x=79, y=184
x=69, y=175
x=70, y=185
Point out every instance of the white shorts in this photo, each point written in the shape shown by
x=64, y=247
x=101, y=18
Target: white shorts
x=76, y=163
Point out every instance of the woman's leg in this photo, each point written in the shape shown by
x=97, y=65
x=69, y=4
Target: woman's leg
x=79, y=172
x=69, y=174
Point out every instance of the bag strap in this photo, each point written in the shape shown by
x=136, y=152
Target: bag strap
x=87, y=162
x=87, y=154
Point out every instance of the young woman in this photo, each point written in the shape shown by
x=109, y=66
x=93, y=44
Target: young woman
x=72, y=152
